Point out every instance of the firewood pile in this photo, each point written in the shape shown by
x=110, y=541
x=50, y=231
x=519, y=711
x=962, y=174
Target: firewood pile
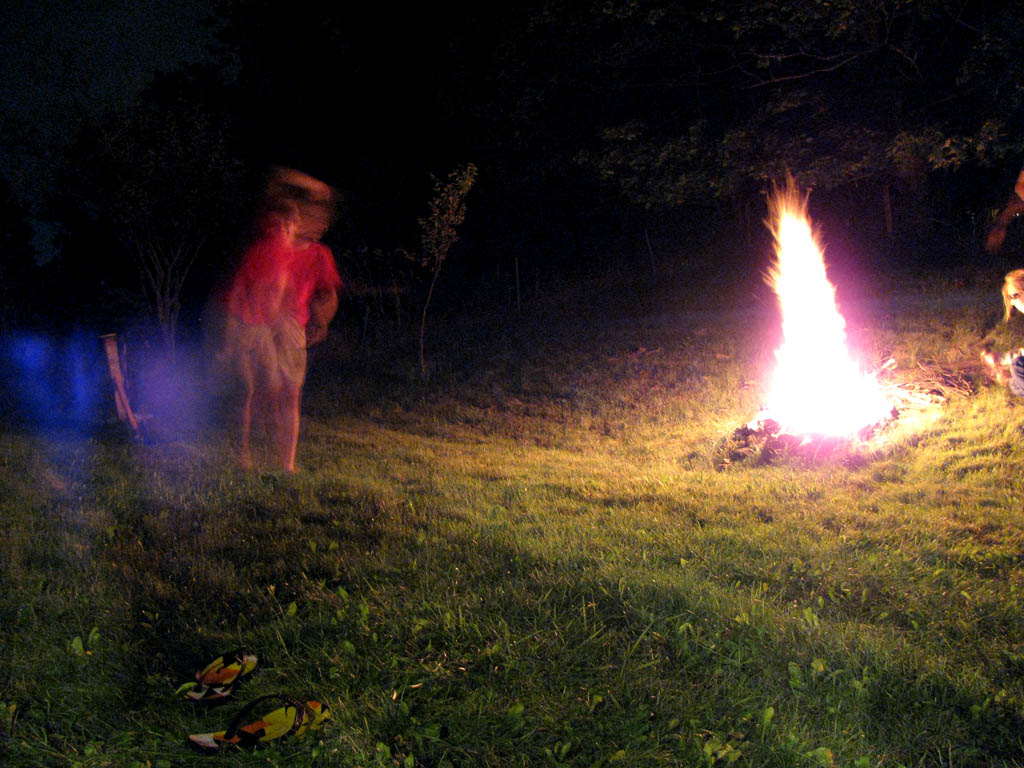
x=913, y=390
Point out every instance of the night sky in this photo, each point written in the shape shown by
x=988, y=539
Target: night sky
x=94, y=53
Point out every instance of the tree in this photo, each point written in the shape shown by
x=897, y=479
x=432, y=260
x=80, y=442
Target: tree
x=439, y=232
x=707, y=102
x=164, y=179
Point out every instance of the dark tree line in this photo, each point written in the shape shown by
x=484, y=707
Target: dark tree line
x=586, y=122
x=703, y=104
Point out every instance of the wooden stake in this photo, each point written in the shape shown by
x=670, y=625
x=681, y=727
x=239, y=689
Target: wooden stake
x=124, y=408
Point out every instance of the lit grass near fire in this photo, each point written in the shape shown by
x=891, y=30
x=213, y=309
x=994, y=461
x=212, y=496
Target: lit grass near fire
x=537, y=565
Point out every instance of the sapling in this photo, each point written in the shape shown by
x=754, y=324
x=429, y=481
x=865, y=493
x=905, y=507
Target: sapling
x=439, y=233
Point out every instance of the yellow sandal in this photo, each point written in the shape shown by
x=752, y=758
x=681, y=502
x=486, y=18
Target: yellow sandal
x=221, y=676
x=292, y=719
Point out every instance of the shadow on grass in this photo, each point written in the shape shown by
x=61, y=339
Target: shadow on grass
x=451, y=639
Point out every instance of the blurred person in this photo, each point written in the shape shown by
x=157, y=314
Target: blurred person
x=279, y=302
x=258, y=339
x=1002, y=363
x=1013, y=208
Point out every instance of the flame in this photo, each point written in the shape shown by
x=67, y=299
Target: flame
x=817, y=388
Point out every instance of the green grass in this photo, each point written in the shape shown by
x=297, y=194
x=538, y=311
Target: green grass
x=537, y=559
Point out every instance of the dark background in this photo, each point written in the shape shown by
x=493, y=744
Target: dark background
x=608, y=136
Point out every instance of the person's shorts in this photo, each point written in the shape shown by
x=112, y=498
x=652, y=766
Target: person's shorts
x=267, y=355
x=290, y=345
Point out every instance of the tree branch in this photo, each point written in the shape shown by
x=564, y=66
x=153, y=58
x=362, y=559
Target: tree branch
x=805, y=75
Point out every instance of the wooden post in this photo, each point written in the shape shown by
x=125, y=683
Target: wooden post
x=124, y=408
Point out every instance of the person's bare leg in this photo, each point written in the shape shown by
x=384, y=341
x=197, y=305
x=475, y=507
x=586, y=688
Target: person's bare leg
x=244, y=452
x=287, y=423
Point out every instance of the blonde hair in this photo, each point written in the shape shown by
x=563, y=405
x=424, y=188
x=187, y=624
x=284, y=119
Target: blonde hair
x=1013, y=284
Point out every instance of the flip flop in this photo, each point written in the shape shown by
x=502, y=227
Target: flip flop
x=292, y=719
x=220, y=677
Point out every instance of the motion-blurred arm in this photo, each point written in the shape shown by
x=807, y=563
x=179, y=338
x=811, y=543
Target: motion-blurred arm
x=322, y=308
x=1013, y=208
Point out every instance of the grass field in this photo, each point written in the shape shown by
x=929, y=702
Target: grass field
x=539, y=558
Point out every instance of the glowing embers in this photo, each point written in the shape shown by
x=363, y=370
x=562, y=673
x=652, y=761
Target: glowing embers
x=817, y=388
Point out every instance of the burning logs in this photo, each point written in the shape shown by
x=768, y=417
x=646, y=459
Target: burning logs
x=922, y=389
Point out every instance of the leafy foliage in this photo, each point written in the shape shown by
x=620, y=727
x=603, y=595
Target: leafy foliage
x=840, y=93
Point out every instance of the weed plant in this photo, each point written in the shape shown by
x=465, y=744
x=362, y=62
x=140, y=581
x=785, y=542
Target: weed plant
x=534, y=561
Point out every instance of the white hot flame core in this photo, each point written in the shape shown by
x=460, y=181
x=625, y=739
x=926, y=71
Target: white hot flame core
x=817, y=387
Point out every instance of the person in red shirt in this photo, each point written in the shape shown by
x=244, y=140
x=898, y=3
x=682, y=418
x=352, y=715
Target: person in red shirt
x=279, y=302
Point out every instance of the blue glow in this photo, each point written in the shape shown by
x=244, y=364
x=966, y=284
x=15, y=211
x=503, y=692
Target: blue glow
x=54, y=381
x=83, y=391
x=30, y=353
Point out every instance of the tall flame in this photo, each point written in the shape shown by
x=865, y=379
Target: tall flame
x=817, y=387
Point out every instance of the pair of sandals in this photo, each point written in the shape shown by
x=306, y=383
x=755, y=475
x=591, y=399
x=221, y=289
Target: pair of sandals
x=219, y=679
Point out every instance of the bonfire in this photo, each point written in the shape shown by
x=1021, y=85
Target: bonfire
x=819, y=394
